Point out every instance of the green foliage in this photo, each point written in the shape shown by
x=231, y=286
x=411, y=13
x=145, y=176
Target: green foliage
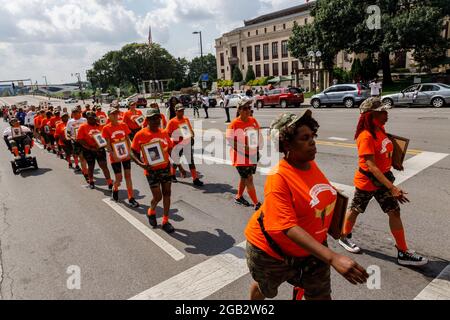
x=258, y=82
x=250, y=76
x=342, y=75
x=209, y=66
x=355, y=72
x=237, y=75
x=224, y=83
x=369, y=68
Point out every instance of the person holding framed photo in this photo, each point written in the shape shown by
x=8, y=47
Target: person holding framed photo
x=374, y=179
x=71, y=134
x=89, y=136
x=54, y=121
x=151, y=151
x=131, y=119
x=244, y=137
x=46, y=132
x=287, y=236
x=62, y=141
x=119, y=147
x=181, y=132
x=163, y=117
x=101, y=116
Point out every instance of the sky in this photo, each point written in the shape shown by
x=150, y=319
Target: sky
x=58, y=38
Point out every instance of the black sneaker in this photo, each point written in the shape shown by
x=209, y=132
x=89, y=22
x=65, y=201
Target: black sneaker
x=410, y=258
x=198, y=183
x=77, y=169
x=70, y=166
x=115, y=195
x=133, y=203
x=61, y=156
x=168, y=228
x=241, y=201
x=92, y=186
x=174, y=179
x=349, y=245
x=54, y=152
x=87, y=178
x=258, y=206
x=152, y=221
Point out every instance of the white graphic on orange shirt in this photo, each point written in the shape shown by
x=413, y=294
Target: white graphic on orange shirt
x=384, y=145
x=318, y=189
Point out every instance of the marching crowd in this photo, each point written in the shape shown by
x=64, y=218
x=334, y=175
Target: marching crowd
x=287, y=235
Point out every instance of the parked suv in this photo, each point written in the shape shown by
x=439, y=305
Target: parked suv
x=283, y=97
x=349, y=95
x=141, y=103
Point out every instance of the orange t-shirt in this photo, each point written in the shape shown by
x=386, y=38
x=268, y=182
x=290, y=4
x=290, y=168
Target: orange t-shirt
x=101, y=115
x=129, y=118
x=116, y=133
x=54, y=121
x=86, y=133
x=240, y=131
x=60, y=133
x=45, y=125
x=293, y=198
x=37, y=122
x=145, y=136
x=175, y=132
x=382, y=148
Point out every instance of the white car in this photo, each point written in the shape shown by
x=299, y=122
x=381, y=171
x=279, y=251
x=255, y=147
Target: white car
x=124, y=103
x=233, y=100
x=71, y=100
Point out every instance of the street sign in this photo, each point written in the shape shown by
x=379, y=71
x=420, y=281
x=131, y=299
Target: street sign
x=204, y=85
x=204, y=77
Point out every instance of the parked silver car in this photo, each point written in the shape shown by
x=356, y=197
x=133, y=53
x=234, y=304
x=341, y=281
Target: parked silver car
x=349, y=95
x=424, y=94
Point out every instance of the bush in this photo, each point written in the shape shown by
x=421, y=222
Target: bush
x=250, y=75
x=225, y=83
x=237, y=75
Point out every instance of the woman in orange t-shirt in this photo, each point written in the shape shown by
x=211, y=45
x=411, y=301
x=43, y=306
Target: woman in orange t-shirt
x=287, y=236
x=151, y=150
x=244, y=153
x=374, y=179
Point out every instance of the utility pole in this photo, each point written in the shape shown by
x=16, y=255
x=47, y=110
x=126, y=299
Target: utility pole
x=80, y=85
x=201, y=55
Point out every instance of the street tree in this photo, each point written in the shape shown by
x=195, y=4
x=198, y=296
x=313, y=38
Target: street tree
x=250, y=76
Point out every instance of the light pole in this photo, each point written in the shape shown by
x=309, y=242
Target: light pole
x=79, y=84
x=314, y=58
x=201, y=48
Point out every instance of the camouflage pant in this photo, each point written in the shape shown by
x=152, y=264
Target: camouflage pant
x=247, y=171
x=270, y=274
x=383, y=196
x=157, y=177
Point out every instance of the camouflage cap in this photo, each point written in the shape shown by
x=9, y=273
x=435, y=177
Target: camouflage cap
x=285, y=121
x=244, y=101
x=373, y=104
x=90, y=114
x=150, y=113
x=112, y=110
x=179, y=107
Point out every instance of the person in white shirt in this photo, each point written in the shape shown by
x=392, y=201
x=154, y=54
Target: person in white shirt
x=205, y=101
x=375, y=88
x=18, y=136
x=29, y=118
x=71, y=133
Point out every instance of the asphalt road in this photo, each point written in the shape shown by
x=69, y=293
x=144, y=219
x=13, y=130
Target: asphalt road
x=49, y=221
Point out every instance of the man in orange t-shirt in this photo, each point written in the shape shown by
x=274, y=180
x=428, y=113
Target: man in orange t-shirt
x=151, y=151
x=47, y=133
x=119, y=147
x=129, y=118
x=287, y=236
x=89, y=136
x=101, y=116
x=374, y=179
x=61, y=139
x=244, y=138
x=163, y=117
x=182, y=134
x=37, y=125
x=54, y=121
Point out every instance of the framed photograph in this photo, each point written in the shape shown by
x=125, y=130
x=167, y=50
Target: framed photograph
x=340, y=210
x=120, y=149
x=153, y=154
x=47, y=129
x=400, y=148
x=140, y=121
x=102, y=121
x=101, y=142
x=253, y=137
x=185, y=131
x=16, y=132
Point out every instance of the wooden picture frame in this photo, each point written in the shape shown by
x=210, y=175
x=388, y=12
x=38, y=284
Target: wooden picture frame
x=340, y=210
x=253, y=138
x=185, y=131
x=153, y=154
x=140, y=121
x=400, y=149
x=16, y=132
x=120, y=150
x=99, y=140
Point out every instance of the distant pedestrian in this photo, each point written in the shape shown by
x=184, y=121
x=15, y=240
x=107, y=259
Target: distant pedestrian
x=226, y=105
x=375, y=88
x=205, y=99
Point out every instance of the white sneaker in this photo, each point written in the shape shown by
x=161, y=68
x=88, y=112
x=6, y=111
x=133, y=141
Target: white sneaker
x=349, y=245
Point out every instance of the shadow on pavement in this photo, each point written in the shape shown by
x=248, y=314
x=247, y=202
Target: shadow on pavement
x=203, y=242
x=34, y=173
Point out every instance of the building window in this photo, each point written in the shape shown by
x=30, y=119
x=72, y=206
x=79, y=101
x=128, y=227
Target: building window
x=266, y=51
x=223, y=71
x=265, y=30
x=284, y=49
x=295, y=66
x=242, y=50
x=306, y=20
x=285, y=68
x=284, y=25
x=275, y=70
x=249, y=34
x=257, y=53
x=256, y=32
x=266, y=70
x=274, y=50
x=222, y=59
x=258, y=71
x=249, y=54
x=234, y=52
x=274, y=28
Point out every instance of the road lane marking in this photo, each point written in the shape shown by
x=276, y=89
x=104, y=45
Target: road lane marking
x=155, y=238
x=417, y=164
x=202, y=280
x=337, y=139
x=438, y=289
